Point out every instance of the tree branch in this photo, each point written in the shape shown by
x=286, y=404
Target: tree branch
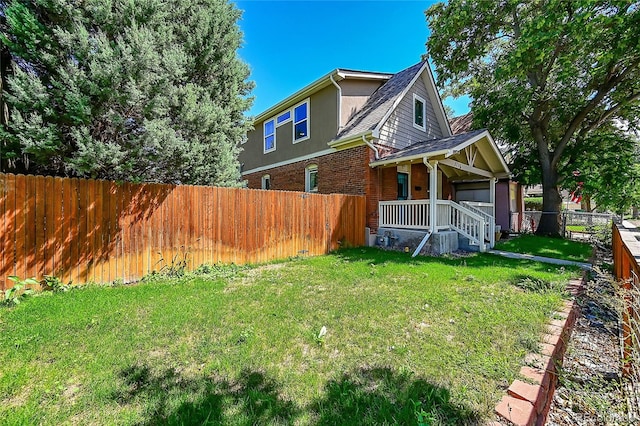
x=608, y=113
x=603, y=90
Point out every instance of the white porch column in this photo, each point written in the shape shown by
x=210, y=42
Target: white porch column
x=492, y=195
x=433, y=195
x=492, y=200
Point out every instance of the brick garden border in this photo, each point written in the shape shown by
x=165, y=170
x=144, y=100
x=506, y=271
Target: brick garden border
x=528, y=403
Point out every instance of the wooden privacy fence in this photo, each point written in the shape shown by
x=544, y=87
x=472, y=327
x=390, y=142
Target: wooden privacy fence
x=98, y=231
x=626, y=254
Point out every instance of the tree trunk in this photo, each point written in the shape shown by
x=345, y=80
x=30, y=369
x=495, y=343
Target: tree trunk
x=551, y=204
x=635, y=212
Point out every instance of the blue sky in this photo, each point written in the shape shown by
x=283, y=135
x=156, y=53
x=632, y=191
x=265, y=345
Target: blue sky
x=289, y=44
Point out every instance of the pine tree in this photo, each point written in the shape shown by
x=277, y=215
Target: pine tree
x=138, y=90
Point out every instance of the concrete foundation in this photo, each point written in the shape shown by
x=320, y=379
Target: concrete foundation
x=408, y=240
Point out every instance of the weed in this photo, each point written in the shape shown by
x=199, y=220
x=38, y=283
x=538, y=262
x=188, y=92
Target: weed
x=220, y=270
x=177, y=267
x=53, y=283
x=422, y=417
x=538, y=285
x=18, y=292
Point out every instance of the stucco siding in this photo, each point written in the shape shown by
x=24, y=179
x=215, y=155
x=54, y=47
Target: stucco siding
x=354, y=95
x=398, y=131
x=323, y=127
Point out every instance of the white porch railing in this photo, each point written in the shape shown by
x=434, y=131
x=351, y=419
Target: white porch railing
x=486, y=208
x=414, y=214
x=410, y=214
x=486, y=211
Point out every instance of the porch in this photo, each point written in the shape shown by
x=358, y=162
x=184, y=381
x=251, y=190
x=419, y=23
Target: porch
x=460, y=173
x=472, y=220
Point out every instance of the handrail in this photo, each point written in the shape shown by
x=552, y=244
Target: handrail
x=490, y=223
x=467, y=222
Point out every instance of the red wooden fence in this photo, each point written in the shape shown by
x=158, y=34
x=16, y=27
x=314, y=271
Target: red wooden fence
x=98, y=231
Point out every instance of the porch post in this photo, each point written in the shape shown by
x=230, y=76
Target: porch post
x=492, y=200
x=433, y=195
x=492, y=195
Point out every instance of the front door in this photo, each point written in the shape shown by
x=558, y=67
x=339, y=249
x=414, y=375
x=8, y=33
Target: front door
x=403, y=186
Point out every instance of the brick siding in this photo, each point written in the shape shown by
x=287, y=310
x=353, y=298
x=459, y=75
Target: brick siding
x=348, y=172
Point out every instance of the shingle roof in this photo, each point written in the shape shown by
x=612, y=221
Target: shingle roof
x=461, y=124
x=433, y=145
x=379, y=103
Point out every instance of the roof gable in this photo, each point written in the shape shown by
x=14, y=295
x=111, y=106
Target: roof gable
x=374, y=113
x=447, y=147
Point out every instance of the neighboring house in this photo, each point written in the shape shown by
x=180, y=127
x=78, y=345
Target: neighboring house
x=386, y=137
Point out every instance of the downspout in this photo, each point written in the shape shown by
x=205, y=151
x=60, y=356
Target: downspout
x=339, y=101
x=372, y=146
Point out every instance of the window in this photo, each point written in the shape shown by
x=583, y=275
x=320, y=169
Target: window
x=269, y=136
x=266, y=182
x=403, y=186
x=418, y=113
x=311, y=178
x=283, y=118
x=301, y=122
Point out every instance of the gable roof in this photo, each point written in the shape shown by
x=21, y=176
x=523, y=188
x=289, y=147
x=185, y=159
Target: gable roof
x=432, y=146
x=374, y=113
x=368, y=117
x=447, y=147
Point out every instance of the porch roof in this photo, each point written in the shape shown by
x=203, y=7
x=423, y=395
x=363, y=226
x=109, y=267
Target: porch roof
x=451, y=148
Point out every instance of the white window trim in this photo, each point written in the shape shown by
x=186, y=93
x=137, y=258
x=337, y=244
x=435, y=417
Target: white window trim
x=424, y=113
x=275, y=118
x=293, y=131
x=264, y=179
x=264, y=136
x=307, y=177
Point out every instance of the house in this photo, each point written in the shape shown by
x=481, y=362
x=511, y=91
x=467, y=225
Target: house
x=386, y=137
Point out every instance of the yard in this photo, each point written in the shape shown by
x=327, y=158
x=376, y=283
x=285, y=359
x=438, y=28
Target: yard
x=432, y=340
x=556, y=248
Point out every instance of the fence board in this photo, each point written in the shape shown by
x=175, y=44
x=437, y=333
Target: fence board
x=74, y=260
x=6, y=228
x=21, y=226
x=82, y=241
x=86, y=230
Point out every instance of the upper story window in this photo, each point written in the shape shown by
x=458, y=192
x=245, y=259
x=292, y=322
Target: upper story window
x=419, y=108
x=285, y=117
x=269, y=136
x=301, y=122
x=266, y=182
x=311, y=178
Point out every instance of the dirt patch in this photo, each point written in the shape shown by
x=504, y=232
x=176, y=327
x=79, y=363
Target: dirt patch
x=590, y=389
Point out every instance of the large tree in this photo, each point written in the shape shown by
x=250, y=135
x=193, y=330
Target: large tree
x=543, y=74
x=141, y=90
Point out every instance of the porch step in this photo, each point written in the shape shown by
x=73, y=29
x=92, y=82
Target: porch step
x=466, y=245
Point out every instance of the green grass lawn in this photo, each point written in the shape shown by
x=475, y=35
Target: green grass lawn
x=557, y=248
x=407, y=340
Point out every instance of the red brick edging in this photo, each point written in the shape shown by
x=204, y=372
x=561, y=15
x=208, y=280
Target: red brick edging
x=527, y=404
